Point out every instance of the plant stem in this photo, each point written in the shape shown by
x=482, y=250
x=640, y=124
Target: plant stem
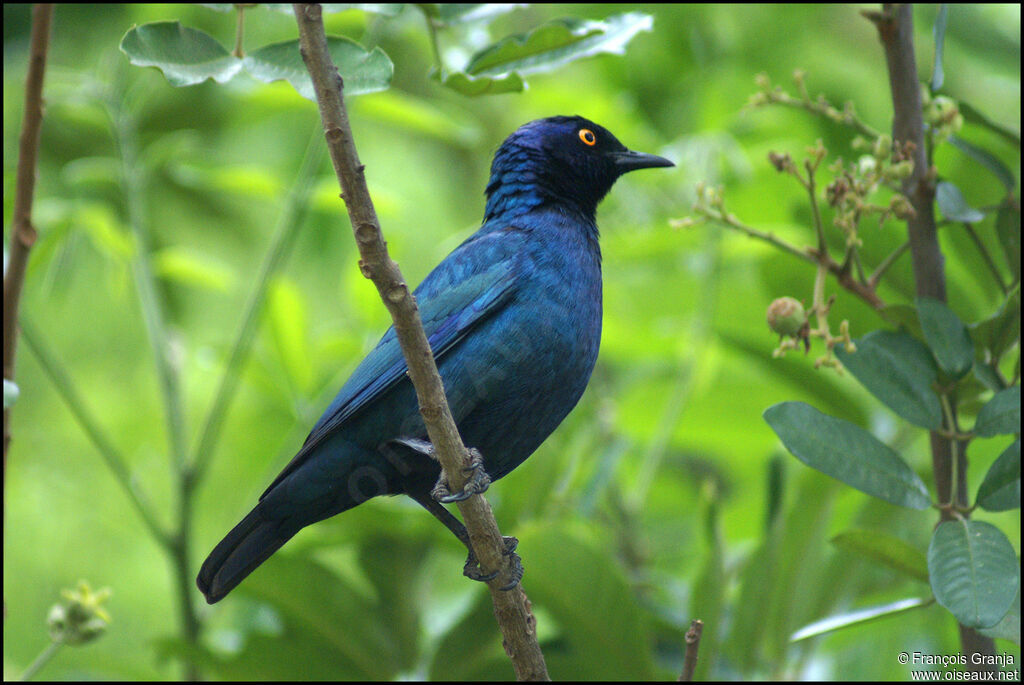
x=987, y=257
x=114, y=459
x=133, y=180
x=41, y=660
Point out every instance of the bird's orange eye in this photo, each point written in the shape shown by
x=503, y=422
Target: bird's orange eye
x=588, y=137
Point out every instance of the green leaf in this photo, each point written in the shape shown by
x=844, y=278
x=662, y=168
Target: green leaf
x=973, y=571
x=190, y=268
x=1009, y=627
x=479, y=85
x=11, y=393
x=947, y=336
x=362, y=71
x=322, y=604
x=558, y=42
x=886, y=549
x=898, y=370
x=186, y=56
x=847, y=453
x=939, y=34
x=974, y=116
x=1000, y=331
x=481, y=657
x=858, y=616
x=1008, y=230
x=1000, y=415
x=953, y=205
x=987, y=160
x=590, y=650
x=903, y=316
x=1000, y=490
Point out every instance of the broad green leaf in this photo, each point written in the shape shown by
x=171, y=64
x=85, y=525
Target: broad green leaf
x=289, y=326
x=479, y=85
x=558, y=42
x=947, y=336
x=1001, y=415
x=191, y=268
x=847, y=453
x=362, y=71
x=11, y=393
x=987, y=376
x=903, y=316
x=987, y=160
x=999, y=332
x=557, y=555
x=1008, y=230
x=481, y=657
x=973, y=571
x=898, y=370
x=1009, y=627
x=974, y=116
x=953, y=205
x=858, y=616
x=886, y=549
x=1001, y=488
x=322, y=604
x=939, y=34
x=186, y=56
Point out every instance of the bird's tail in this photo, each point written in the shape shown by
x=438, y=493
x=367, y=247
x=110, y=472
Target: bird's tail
x=248, y=545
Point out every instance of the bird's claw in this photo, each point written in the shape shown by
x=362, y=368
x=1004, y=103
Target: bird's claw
x=473, y=571
x=477, y=482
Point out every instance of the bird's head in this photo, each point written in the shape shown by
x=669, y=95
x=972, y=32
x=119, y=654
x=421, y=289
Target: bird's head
x=568, y=160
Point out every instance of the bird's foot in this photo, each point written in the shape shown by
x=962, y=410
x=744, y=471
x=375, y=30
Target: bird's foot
x=473, y=571
x=477, y=482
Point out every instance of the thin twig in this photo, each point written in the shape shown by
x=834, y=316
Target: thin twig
x=512, y=608
x=23, y=234
x=44, y=658
x=116, y=462
x=987, y=257
x=692, y=645
x=875, y=277
x=133, y=184
x=864, y=291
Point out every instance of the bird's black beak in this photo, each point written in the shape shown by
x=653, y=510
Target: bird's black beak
x=627, y=160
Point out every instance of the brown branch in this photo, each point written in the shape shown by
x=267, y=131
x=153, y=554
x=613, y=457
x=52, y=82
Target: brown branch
x=23, y=234
x=511, y=608
x=895, y=24
x=692, y=645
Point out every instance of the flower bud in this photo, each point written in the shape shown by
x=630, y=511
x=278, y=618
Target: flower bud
x=786, y=316
x=79, y=618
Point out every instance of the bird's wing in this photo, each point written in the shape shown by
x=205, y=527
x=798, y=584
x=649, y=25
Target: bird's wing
x=447, y=317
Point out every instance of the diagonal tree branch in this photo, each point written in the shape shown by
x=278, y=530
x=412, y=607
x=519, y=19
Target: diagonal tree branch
x=512, y=608
x=23, y=234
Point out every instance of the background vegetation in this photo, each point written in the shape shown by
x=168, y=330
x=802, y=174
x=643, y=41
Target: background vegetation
x=664, y=496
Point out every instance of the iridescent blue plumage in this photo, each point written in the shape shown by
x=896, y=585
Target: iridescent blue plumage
x=513, y=316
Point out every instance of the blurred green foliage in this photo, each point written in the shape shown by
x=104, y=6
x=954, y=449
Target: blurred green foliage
x=661, y=498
